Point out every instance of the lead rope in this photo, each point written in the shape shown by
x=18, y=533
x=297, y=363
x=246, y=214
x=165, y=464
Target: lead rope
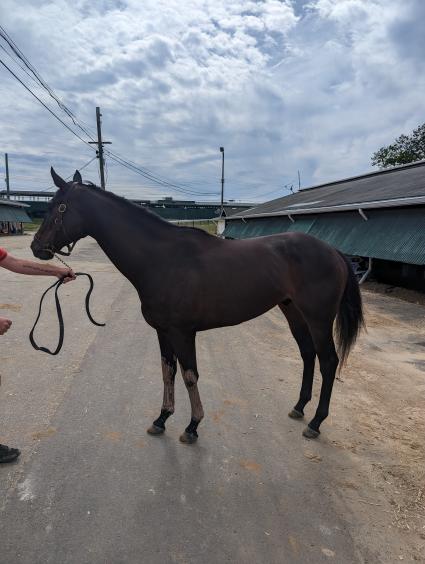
x=57, y=285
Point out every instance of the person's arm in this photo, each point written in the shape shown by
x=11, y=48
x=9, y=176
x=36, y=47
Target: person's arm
x=23, y=266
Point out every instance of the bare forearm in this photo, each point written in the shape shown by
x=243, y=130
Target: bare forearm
x=30, y=267
x=33, y=268
x=37, y=269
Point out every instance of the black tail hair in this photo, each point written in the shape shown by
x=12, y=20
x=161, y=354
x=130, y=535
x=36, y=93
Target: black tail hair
x=349, y=320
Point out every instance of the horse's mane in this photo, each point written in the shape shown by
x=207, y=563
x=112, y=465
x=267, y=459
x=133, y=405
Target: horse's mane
x=152, y=215
x=122, y=199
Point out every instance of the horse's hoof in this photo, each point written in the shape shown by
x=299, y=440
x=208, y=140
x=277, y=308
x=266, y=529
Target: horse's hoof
x=154, y=430
x=188, y=438
x=295, y=414
x=310, y=433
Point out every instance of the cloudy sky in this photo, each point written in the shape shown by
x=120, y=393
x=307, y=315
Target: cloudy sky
x=315, y=86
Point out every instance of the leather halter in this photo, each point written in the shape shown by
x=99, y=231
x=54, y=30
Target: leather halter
x=58, y=221
x=59, y=224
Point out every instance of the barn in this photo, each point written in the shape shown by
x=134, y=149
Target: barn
x=12, y=216
x=37, y=202
x=378, y=219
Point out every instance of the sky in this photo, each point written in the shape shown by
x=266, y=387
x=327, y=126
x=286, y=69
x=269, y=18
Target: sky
x=284, y=86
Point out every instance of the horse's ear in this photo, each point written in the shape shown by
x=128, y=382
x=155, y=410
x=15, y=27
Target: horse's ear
x=59, y=182
x=77, y=177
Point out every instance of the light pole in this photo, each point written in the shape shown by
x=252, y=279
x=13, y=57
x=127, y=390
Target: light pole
x=222, y=181
x=6, y=160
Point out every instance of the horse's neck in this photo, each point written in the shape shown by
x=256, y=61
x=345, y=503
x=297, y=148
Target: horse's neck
x=130, y=237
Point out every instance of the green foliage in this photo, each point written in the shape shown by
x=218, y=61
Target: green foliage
x=405, y=149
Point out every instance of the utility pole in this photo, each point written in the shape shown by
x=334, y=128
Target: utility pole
x=299, y=180
x=99, y=151
x=222, y=181
x=6, y=160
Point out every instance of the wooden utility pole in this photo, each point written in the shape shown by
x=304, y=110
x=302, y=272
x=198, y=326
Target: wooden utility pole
x=222, y=182
x=6, y=160
x=99, y=151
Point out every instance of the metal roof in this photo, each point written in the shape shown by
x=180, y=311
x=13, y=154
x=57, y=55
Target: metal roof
x=13, y=214
x=5, y=202
x=167, y=201
x=396, y=187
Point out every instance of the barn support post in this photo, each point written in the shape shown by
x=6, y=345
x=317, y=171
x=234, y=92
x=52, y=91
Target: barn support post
x=368, y=271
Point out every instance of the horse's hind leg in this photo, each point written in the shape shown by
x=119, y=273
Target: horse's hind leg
x=322, y=335
x=184, y=345
x=301, y=334
x=169, y=368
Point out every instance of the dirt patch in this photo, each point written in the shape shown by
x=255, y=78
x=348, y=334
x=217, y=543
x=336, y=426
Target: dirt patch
x=49, y=432
x=383, y=395
x=11, y=307
x=113, y=436
x=404, y=294
x=251, y=466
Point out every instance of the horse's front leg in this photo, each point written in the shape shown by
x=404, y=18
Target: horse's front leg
x=169, y=368
x=184, y=346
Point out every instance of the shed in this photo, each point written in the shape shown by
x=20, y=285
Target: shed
x=12, y=213
x=378, y=216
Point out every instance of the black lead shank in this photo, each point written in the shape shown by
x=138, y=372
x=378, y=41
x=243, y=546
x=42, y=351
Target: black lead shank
x=57, y=285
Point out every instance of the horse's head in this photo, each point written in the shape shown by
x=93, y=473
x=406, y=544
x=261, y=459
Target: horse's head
x=63, y=223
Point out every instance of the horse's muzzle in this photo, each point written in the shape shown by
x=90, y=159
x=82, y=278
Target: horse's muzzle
x=40, y=252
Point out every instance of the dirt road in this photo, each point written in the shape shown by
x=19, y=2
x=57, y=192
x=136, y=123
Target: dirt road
x=92, y=487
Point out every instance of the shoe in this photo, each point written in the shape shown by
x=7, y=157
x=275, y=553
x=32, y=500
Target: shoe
x=8, y=454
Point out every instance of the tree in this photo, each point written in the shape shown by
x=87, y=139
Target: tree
x=405, y=149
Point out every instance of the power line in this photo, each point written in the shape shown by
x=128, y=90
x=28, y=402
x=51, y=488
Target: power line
x=38, y=78
x=68, y=177
x=164, y=180
x=43, y=104
x=139, y=170
x=115, y=157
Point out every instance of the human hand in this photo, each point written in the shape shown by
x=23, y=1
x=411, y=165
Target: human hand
x=4, y=325
x=67, y=274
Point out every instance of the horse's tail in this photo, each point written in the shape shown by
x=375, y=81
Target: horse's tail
x=349, y=320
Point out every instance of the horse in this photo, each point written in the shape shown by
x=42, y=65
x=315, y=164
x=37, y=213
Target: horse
x=190, y=281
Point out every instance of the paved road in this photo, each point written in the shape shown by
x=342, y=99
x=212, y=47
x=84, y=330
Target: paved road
x=95, y=488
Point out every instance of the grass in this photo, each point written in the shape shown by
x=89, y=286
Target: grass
x=33, y=226
x=207, y=225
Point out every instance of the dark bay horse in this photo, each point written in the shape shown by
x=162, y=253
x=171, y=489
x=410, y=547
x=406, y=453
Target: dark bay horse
x=189, y=281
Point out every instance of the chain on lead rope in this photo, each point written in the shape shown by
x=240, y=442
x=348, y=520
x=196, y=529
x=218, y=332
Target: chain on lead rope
x=62, y=261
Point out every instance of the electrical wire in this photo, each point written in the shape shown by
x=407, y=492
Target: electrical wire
x=153, y=178
x=152, y=175
x=117, y=158
x=70, y=176
x=43, y=104
x=36, y=77
x=39, y=80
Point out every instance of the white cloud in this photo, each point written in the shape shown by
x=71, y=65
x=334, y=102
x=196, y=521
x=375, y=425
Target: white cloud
x=282, y=85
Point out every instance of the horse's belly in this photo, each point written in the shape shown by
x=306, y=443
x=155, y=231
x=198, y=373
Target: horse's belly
x=232, y=310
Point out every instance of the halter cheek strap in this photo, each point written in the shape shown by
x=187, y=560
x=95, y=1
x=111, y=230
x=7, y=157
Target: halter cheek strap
x=59, y=224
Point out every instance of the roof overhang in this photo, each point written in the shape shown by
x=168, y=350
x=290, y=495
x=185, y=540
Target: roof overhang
x=355, y=206
x=5, y=202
